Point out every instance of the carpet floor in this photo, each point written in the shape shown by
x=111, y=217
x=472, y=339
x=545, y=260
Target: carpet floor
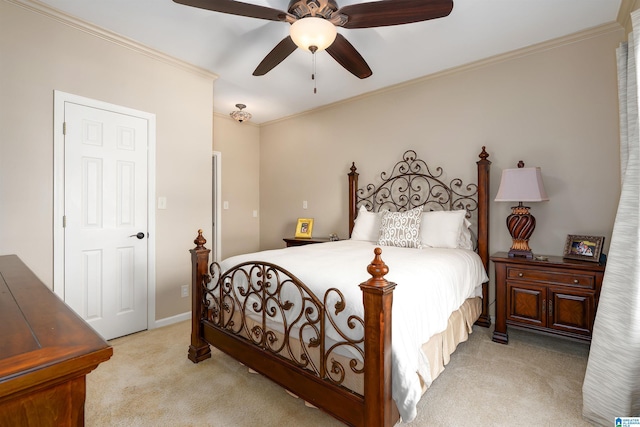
x=535, y=380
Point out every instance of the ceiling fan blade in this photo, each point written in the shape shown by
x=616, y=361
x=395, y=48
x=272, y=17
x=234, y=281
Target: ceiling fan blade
x=237, y=8
x=394, y=12
x=347, y=56
x=276, y=56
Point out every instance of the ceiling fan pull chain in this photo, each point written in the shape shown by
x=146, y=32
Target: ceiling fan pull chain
x=313, y=74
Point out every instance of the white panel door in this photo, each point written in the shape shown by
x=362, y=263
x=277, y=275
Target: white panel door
x=106, y=218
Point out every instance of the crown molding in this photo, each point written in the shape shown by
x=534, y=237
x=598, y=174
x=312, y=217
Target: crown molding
x=624, y=13
x=519, y=53
x=109, y=36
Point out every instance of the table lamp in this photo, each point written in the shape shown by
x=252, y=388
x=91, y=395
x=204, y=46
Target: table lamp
x=521, y=185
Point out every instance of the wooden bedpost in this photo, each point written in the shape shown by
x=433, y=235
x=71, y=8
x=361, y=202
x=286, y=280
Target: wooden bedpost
x=353, y=201
x=483, y=229
x=199, y=350
x=379, y=408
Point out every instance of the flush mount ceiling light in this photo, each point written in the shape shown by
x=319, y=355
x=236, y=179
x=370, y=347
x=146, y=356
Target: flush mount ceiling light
x=239, y=115
x=313, y=34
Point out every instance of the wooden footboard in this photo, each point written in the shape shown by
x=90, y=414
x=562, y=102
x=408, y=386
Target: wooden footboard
x=313, y=371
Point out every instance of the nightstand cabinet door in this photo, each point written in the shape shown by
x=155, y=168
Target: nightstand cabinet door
x=526, y=303
x=572, y=312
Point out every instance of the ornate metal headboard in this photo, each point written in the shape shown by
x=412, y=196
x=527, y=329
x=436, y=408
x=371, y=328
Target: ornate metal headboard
x=411, y=183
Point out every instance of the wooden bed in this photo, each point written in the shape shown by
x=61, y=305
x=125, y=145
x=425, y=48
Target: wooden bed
x=312, y=371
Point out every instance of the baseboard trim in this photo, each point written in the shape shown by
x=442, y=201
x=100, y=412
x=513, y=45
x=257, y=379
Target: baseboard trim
x=171, y=320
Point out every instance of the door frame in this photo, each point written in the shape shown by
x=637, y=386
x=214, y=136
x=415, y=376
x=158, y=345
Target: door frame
x=217, y=206
x=60, y=98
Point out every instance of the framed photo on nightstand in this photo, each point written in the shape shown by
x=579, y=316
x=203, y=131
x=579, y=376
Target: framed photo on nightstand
x=585, y=248
x=304, y=228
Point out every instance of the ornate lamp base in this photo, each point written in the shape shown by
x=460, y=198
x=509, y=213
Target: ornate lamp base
x=521, y=225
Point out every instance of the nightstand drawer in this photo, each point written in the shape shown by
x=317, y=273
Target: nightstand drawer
x=552, y=277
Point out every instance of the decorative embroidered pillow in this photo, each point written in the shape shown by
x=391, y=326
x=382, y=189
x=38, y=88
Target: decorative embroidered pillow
x=401, y=228
x=366, y=225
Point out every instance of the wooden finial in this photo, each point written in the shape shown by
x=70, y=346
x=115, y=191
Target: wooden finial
x=353, y=167
x=483, y=155
x=520, y=164
x=377, y=269
x=200, y=240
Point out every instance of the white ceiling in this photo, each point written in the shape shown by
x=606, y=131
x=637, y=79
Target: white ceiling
x=232, y=46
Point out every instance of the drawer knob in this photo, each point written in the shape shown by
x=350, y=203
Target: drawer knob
x=576, y=281
x=520, y=274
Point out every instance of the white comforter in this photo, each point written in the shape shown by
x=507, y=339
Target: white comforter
x=431, y=284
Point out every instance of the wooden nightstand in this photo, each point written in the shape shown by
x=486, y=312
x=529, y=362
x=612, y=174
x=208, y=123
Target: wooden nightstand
x=292, y=241
x=558, y=296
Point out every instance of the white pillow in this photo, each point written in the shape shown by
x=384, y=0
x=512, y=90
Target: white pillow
x=442, y=229
x=465, y=241
x=366, y=225
x=401, y=228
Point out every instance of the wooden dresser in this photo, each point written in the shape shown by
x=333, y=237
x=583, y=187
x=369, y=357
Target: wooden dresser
x=46, y=351
x=557, y=295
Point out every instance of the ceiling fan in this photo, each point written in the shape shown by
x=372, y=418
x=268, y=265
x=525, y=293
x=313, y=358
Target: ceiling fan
x=327, y=15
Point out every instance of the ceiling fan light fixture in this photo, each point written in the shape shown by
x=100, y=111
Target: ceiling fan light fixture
x=239, y=115
x=312, y=31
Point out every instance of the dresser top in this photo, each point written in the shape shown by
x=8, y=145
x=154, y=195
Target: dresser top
x=38, y=330
x=551, y=261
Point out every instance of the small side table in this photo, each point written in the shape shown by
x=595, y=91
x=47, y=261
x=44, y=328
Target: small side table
x=557, y=295
x=293, y=241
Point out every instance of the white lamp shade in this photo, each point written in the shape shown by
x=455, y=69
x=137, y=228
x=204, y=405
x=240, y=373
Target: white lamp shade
x=521, y=185
x=312, y=31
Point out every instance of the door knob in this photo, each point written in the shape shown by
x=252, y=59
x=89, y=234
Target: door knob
x=140, y=235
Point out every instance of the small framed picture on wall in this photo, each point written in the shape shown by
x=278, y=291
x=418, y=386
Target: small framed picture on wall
x=304, y=228
x=585, y=248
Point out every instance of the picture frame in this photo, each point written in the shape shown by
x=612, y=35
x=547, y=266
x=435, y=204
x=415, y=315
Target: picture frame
x=304, y=228
x=584, y=248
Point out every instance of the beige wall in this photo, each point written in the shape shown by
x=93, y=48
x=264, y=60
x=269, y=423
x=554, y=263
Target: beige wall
x=554, y=106
x=239, y=144
x=40, y=54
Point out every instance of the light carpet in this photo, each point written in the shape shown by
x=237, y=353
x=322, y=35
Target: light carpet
x=535, y=380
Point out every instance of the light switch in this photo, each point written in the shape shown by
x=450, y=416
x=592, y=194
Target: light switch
x=225, y=205
x=255, y=214
x=162, y=202
x=304, y=204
